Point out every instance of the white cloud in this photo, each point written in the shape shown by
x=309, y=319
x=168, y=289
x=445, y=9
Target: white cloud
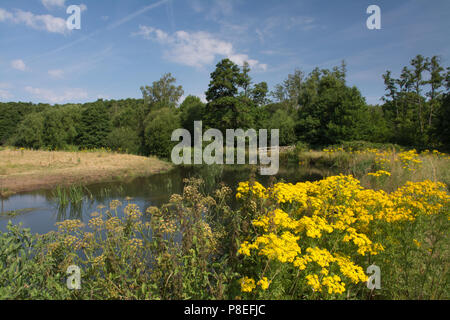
x=195, y=49
x=5, y=15
x=67, y=95
x=53, y=3
x=19, y=65
x=239, y=59
x=56, y=73
x=39, y=22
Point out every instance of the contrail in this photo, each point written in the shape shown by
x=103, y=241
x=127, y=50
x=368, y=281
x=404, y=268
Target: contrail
x=108, y=28
x=135, y=14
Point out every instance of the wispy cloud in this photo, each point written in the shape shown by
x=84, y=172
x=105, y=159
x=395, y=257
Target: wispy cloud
x=135, y=14
x=45, y=22
x=195, y=49
x=98, y=31
x=19, y=65
x=271, y=26
x=57, y=97
x=213, y=9
x=56, y=73
x=49, y=4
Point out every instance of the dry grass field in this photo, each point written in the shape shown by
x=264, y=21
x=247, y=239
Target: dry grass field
x=26, y=170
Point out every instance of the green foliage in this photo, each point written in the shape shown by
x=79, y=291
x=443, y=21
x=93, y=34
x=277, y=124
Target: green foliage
x=25, y=271
x=330, y=111
x=126, y=257
x=162, y=93
x=290, y=90
x=259, y=94
x=95, y=125
x=61, y=127
x=159, y=126
x=123, y=139
x=230, y=113
x=416, y=259
x=191, y=109
x=224, y=81
x=11, y=114
x=30, y=133
x=442, y=123
x=413, y=103
x=286, y=124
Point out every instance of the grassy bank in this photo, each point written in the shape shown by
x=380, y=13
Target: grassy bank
x=385, y=169
x=26, y=170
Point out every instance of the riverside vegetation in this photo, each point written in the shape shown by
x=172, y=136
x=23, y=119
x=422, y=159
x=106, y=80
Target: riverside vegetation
x=309, y=240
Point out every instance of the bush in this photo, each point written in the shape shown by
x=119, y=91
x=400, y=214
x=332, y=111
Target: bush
x=159, y=126
x=124, y=139
x=315, y=240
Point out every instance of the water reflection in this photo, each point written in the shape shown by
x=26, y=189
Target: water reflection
x=40, y=210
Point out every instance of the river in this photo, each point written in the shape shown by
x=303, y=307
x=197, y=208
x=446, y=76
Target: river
x=39, y=210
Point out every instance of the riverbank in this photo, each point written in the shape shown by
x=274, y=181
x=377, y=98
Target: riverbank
x=26, y=170
x=386, y=169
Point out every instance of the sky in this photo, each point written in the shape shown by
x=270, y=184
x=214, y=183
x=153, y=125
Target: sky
x=125, y=44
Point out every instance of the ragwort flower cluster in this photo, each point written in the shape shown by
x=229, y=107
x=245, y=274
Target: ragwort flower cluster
x=323, y=229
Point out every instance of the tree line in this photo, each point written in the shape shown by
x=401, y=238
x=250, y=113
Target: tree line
x=315, y=109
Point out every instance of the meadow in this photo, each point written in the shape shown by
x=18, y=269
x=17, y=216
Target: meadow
x=25, y=169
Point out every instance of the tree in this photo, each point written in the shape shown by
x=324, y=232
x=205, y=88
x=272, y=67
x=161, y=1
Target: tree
x=191, y=109
x=286, y=124
x=289, y=91
x=259, y=94
x=224, y=81
x=162, y=93
x=407, y=108
x=392, y=91
x=420, y=65
x=436, y=82
x=11, y=114
x=61, y=126
x=244, y=80
x=95, y=125
x=124, y=139
x=330, y=111
x=30, y=132
x=230, y=113
x=159, y=126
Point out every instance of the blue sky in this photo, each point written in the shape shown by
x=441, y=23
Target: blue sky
x=124, y=44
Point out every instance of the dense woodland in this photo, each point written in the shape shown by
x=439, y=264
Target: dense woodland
x=313, y=110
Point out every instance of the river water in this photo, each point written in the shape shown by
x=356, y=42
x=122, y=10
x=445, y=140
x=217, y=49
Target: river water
x=39, y=210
